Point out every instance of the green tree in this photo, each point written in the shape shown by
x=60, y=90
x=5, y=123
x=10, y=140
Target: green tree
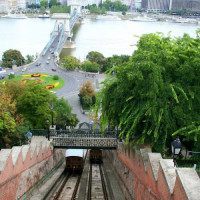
x=60, y=9
x=63, y=113
x=87, y=94
x=90, y=66
x=43, y=4
x=54, y=3
x=29, y=59
x=115, y=60
x=95, y=56
x=9, y=120
x=87, y=101
x=156, y=92
x=70, y=62
x=33, y=104
x=11, y=57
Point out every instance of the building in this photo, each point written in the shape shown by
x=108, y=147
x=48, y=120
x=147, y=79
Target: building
x=83, y=2
x=156, y=5
x=188, y=5
x=21, y=4
x=3, y=6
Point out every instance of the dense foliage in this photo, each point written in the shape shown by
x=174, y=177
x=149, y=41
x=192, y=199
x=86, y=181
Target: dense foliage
x=113, y=6
x=12, y=57
x=88, y=66
x=107, y=6
x=43, y=4
x=157, y=92
x=59, y=9
x=87, y=95
x=54, y=3
x=24, y=106
x=69, y=62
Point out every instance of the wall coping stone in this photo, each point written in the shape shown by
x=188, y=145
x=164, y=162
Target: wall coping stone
x=145, y=157
x=190, y=182
x=187, y=177
x=25, y=150
x=15, y=153
x=168, y=169
x=4, y=155
x=154, y=159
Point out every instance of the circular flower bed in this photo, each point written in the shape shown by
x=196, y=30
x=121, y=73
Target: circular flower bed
x=30, y=79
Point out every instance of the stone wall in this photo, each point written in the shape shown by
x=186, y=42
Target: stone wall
x=145, y=175
x=23, y=166
x=189, y=5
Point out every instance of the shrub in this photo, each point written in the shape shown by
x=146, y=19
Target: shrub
x=11, y=76
x=87, y=101
x=55, y=77
x=90, y=66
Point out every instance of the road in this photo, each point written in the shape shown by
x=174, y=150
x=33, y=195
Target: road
x=73, y=79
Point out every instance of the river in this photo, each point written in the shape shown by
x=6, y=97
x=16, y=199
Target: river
x=108, y=37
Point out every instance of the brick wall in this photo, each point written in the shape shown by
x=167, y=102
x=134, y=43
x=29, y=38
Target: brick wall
x=22, y=167
x=145, y=175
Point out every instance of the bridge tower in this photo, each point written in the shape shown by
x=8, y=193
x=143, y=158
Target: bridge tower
x=62, y=22
x=64, y=25
x=76, y=7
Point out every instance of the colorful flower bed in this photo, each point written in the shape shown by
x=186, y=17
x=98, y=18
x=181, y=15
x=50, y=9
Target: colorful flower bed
x=30, y=79
x=36, y=75
x=52, y=86
x=45, y=79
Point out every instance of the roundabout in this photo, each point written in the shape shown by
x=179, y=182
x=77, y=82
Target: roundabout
x=51, y=82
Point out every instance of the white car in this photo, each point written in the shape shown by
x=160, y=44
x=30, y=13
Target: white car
x=23, y=69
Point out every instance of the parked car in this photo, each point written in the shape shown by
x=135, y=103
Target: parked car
x=38, y=64
x=2, y=77
x=53, y=69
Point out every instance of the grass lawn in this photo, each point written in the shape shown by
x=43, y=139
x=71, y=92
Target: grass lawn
x=45, y=79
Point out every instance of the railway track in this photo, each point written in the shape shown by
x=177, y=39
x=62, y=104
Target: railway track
x=66, y=187
x=96, y=184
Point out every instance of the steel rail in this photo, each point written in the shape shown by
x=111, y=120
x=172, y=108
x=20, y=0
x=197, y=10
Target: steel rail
x=76, y=188
x=56, y=197
x=103, y=183
x=89, y=195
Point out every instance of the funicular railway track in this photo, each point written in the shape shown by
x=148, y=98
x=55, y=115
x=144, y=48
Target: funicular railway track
x=66, y=187
x=67, y=184
x=96, y=183
x=68, y=190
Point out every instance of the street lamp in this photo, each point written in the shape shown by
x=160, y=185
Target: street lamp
x=52, y=115
x=47, y=120
x=176, y=149
x=29, y=136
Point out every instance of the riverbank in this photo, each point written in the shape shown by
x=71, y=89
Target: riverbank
x=148, y=17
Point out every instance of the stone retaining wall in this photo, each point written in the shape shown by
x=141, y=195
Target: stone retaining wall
x=23, y=166
x=145, y=175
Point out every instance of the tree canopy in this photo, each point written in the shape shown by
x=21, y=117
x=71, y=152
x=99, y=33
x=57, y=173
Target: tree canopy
x=43, y=4
x=157, y=92
x=59, y=9
x=70, y=62
x=9, y=119
x=24, y=106
x=33, y=104
x=95, y=56
x=12, y=57
x=90, y=66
